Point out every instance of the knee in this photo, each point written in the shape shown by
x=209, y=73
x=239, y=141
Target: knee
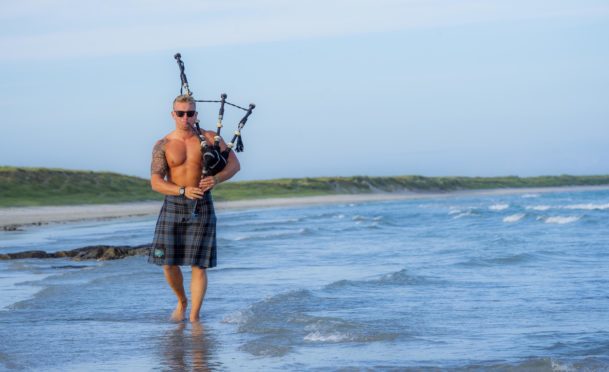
x=170, y=268
x=198, y=270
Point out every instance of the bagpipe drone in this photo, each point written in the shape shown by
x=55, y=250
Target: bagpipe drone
x=214, y=158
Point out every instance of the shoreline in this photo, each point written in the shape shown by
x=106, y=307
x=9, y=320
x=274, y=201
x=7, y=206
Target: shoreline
x=13, y=218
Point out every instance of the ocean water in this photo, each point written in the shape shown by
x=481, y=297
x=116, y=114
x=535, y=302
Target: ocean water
x=473, y=283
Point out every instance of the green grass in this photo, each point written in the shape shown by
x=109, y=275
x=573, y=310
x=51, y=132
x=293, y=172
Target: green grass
x=287, y=187
x=44, y=186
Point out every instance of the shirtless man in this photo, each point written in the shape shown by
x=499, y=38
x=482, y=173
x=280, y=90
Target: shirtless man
x=180, y=237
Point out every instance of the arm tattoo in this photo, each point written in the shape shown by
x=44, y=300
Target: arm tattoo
x=159, y=161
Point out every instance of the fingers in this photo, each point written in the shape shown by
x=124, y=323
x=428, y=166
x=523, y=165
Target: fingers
x=204, y=181
x=194, y=192
x=207, y=187
x=207, y=183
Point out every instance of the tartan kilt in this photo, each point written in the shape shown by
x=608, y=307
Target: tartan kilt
x=183, y=239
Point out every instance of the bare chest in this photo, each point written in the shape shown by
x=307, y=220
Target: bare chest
x=180, y=153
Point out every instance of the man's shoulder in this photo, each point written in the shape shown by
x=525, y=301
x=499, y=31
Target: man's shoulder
x=162, y=142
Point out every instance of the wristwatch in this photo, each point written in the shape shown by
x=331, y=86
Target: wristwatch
x=182, y=191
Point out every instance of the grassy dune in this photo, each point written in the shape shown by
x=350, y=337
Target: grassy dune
x=43, y=186
x=287, y=187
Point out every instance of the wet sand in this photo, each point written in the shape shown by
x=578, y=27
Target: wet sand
x=11, y=218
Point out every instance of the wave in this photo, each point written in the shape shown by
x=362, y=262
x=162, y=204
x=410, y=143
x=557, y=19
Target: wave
x=287, y=320
x=499, y=207
x=461, y=210
x=528, y=196
x=326, y=215
x=280, y=322
x=318, y=336
x=454, y=210
x=513, y=259
x=514, y=218
x=372, y=222
x=259, y=223
x=560, y=220
x=402, y=277
x=359, y=218
x=588, y=206
x=539, y=207
x=332, y=331
x=461, y=214
x=237, y=317
x=539, y=364
x=282, y=234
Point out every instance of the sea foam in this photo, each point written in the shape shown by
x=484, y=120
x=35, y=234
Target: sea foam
x=499, y=207
x=539, y=207
x=588, y=206
x=514, y=218
x=526, y=196
x=331, y=337
x=561, y=220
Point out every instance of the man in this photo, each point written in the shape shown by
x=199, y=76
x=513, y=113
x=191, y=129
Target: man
x=181, y=236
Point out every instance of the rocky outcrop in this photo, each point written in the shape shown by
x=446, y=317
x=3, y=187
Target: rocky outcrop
x=96, y=252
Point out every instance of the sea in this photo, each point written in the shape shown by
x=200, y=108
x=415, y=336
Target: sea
x=457, y=282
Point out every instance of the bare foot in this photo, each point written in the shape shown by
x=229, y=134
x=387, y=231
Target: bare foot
x=179, y=314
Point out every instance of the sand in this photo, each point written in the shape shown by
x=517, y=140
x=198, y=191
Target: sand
x=11, y=218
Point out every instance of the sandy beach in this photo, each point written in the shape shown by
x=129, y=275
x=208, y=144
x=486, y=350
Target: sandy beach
x=11, y=218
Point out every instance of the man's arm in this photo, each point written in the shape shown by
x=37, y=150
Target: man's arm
x=159, y=170
x=232, y=167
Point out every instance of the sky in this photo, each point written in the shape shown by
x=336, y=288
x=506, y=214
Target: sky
x=342, y=88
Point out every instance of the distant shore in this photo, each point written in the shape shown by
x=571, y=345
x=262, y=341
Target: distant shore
x=32, y=187
x=17, y=217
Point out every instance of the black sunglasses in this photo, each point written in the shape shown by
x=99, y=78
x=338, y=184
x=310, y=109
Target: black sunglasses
x=188, y=113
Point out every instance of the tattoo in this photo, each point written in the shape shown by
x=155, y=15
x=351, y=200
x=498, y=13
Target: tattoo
x=159, y=161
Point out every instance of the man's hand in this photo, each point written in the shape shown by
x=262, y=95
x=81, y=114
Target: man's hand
x=207, y=183
x=193, y=192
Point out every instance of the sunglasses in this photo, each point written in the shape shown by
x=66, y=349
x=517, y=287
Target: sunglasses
x=188, y=113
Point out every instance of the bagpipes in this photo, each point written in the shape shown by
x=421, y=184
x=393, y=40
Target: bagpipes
x=214, y=159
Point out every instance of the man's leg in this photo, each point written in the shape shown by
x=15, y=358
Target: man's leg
x=198, y=287
x=173, y=274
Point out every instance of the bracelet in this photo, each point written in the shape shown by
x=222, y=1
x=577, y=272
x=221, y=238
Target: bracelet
x=216, y=180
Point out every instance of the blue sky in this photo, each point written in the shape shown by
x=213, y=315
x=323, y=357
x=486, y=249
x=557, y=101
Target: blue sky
x=436, y=87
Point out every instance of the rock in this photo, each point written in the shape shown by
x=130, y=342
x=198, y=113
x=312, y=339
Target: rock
x=27, y=254
x=11, y=228
x=97, y=252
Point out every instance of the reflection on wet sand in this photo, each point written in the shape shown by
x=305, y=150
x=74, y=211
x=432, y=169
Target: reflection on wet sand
x=187, y=347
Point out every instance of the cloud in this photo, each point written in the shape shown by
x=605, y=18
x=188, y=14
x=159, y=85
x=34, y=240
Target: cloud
x=39, y=30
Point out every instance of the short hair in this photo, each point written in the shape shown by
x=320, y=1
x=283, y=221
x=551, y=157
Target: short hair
x=184, y=98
